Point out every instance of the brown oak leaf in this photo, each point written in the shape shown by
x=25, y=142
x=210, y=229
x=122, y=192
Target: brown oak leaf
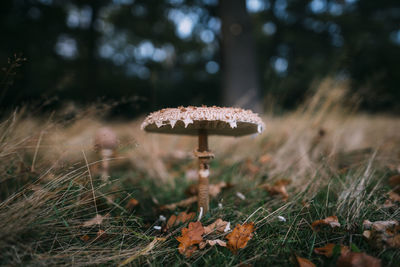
x=357, y=259
x=331, y=221
x=394, y=196
x=239, y=237
x=132, y=203
x=327, y=250
x=278, y=188
x=212, y=243
x=190, y=237
x=219, y=226
x=182, y=217
x=302, y=262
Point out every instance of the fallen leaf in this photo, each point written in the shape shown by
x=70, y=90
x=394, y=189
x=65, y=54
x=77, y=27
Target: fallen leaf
x=219, y=226
x=190, y=237
x=132, y=203
x=394, y=196
x=394, y=242
x=379, y=225
x=212, y=243
x=215, y=189
x=239, y=237
x=98, y=219
x=357, y=259
x=302, y=262
x=367, y=234
x=265, y=158
x=388, y=204
x=101, y=234
x=394, y=182
x=182, y=217
x=331, y=221
x=327, y=250
x=278, y=188
x=251, y=167
x=382, y=234
x=85, y=238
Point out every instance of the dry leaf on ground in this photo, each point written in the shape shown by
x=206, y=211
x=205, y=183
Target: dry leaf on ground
x=85, y=238
x=265, y=158
x=98, y=219
x=394, y=182
x=278, y=188
x=382, y=234
x=212, y=243
x=302, y=262
x=101, y=235
x=132, y=203
x=190, y=237
x=331, y=221
x=215, y=189
x=394, y=196
x=251, y=167
x=327, y=250
x=388, y=204
x=182, y=217
x=219, y=226
x=357, y=259
x=239, y=237
x=379, y=225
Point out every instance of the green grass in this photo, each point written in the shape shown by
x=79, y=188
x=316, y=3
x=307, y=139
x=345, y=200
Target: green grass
x=342, y=173
x=53, y=235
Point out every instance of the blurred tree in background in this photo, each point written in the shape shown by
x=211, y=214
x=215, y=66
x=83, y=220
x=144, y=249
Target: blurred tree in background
x=148, y=54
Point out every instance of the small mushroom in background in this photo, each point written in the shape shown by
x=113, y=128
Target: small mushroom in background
x=105, y=143
x=202, y=122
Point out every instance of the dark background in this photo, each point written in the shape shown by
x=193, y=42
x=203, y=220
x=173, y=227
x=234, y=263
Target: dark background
x=148, y=54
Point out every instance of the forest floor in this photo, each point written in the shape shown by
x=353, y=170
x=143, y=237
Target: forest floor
x=333, y=161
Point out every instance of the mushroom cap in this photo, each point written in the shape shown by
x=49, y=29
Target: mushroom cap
x=215, y=120
x=105, y=139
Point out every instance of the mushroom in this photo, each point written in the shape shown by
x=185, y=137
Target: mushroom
x=202, y=122
x=105, y=143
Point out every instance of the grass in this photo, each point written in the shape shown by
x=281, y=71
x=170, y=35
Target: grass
x=338, y=160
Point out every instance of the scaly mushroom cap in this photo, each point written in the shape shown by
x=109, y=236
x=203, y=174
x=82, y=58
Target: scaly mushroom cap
x=105, y=139
x=216, y=120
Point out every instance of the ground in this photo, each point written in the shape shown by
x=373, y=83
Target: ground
x=338, y=162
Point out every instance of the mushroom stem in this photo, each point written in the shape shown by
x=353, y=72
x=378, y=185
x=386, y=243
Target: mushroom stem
x=105, y=165
x=203, y=196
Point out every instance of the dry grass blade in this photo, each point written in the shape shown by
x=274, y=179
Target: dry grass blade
x=143, y=251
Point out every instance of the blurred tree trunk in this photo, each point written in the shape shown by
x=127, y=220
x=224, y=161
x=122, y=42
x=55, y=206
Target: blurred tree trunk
x=91, y=78
x=239, y=68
